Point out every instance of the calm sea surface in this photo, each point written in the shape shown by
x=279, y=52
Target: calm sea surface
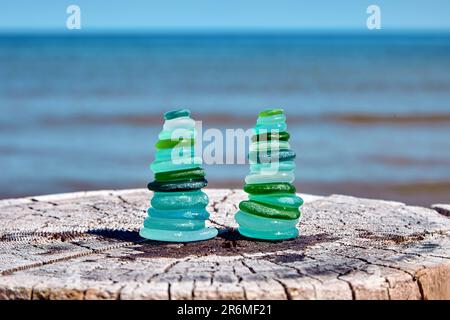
x=368, y=115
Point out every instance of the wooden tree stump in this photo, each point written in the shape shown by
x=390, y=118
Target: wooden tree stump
x=86, y=246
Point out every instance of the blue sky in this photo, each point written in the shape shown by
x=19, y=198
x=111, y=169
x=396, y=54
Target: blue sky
x=210, y=15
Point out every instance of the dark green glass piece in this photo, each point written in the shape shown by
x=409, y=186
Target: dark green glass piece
x=282, y=136
x=266, y=188
x=264, y=210
x=272, y=156
x=188, y=174
x=192, y=184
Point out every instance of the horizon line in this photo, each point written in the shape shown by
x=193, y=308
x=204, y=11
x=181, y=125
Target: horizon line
x=224, y=31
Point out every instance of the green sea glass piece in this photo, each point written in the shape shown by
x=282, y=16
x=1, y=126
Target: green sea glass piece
x=264, y=210
x=267, y=188
x=174, y=143
x=271, y=112
x=188, y=174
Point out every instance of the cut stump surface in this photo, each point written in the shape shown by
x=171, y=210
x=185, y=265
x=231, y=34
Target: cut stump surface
x=86, y=246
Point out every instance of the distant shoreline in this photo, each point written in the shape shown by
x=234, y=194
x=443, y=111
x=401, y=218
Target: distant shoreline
x=353, y=118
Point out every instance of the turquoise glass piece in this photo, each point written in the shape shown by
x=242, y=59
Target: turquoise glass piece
x=279, y=118
x=164, y=166
x=272, y=209
x=283, y=200
x=272, y=167
x=269, y=145
x=176, y=124
x=177, y=114
x=191, y=213
x=270, y=177
x=178, y=207
x=178, y=236
x=263, y=128
x=185, y=153
x=269, y=235
x=176, y=134
x=271, y=156
x=253, y=226
x=173, y=224
x=179, y=200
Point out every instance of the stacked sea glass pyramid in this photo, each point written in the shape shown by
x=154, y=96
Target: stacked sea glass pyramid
x=272, y=209
x=177, y=212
